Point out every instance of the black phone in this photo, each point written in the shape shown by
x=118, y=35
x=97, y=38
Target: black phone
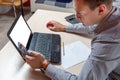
x=72, y=19
x=22, y=49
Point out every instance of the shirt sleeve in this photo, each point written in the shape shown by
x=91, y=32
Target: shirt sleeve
x=103, y=59
x=79, y=28
x=58, y=74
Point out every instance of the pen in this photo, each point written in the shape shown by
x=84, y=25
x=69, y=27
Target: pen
x=63, y=49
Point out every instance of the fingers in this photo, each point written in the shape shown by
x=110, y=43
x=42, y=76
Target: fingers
x=50, y=24
x=33, y=53
x=31, y=56
x=56, y=26
x=28, y=58
x=52, y=28
x=35, y=60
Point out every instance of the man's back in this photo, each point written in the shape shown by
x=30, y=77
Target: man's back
x=107, y=41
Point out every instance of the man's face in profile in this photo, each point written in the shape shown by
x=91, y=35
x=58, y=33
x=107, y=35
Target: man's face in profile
x=85, y=14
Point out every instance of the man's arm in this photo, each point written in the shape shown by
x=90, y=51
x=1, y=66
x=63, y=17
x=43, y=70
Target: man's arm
x=103, y=60
x=58, y=74
x=79, y=28
x=76, y=28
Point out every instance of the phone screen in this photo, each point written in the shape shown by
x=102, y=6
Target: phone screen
x=22, y=49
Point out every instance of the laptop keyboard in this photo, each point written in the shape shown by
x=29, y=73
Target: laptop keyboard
x=43, y=45
x=56, y=52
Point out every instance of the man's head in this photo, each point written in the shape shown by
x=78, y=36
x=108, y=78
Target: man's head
x=92, y=12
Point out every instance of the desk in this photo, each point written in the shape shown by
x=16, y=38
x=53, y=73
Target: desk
x=12, y=66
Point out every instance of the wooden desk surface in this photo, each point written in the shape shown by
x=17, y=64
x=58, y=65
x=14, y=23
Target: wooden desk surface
x=12, y=66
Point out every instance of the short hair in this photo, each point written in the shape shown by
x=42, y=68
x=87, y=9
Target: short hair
x=95, y=3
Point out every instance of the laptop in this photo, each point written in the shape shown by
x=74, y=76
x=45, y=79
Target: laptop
x=47, y=44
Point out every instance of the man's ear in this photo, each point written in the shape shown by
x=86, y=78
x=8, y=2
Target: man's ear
x=102, y=9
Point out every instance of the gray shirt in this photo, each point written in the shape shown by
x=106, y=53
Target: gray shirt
x=105, y=51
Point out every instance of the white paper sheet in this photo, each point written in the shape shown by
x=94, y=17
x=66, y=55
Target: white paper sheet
x=74, y=53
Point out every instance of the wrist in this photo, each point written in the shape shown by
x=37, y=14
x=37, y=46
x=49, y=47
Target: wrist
x=64, y=29
x=45, y=64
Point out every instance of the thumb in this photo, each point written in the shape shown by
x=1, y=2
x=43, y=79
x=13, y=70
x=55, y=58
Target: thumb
x=32, y=53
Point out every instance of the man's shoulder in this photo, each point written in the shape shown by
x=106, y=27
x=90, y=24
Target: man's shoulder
x=110, y=35
x=111, y=21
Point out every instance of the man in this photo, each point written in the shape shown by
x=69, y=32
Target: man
x=102, y=20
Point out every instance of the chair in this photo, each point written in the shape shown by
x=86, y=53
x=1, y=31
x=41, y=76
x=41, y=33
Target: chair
x=13, y=3
x=35, y=5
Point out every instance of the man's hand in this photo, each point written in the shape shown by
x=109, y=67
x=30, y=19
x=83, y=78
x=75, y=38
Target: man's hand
x=56, y=26
x=36, y=60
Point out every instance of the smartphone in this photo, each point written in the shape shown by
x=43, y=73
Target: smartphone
x=22, y=49
x=72, y=19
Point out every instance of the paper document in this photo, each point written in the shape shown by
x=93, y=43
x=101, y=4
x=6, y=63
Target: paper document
x=74, y=53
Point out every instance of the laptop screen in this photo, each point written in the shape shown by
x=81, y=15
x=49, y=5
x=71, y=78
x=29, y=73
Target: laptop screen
x=20, y=32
